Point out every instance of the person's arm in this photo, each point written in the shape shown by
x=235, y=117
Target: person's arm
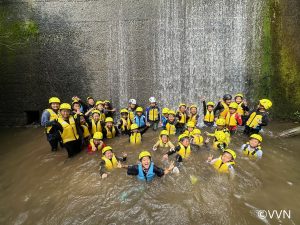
x=171, y=145
x=159, y=115
x=102, y=169
x=238, y=119
x=264, y=120
x=245, y=107
x=259, y=154
x=77, y=124
x=45, y=120
x=219, y=107
x=155, y=146
x=144, y=130
x=147, y=114
x=178, y=115
x=117, y=131
x=172, y=151
x=123, y=158
x=204, y=107
x=132, y=170
x=120, y=124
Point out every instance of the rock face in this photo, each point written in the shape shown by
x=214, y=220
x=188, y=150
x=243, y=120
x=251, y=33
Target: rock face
x=174, y=50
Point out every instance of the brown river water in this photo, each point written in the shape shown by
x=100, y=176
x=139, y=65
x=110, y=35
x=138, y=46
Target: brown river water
x=43, y=187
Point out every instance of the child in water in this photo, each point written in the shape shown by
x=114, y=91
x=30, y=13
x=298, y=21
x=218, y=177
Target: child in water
x=220, y=138
x=196, y=138
x=171, y=123
x=224, y=163
x=125, y=122
x=233, y=119
x=181, y=118
x=109, y=161
x=252, y=149
x=110, y=130
x=258, y=118
x=135, y=135
x=193, y=115
x=146, y=170
x=243, y=109
x=208, y=112
x=222, y=107
x=190, y=127
x=140, y=118
x=95, y=122
x=164, y=117
x=96, y=143
x=164, y=141
x=84, y=128
x=153, y=113
x=183, y=150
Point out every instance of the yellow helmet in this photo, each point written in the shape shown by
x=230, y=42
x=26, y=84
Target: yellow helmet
x=266, y=103
x=220, y=122
x=124, y=111
x=54, y=100
x=239, y=95
x=182, y=104
x=257, y=137
x=75, y=101
x=144, y=154
x=105, y=149
x=211, y=104
x=182, y=136
x=233, y=105
x=165, y=111
x=109, y=119
x=190, y=124
x=99, y=102
x=220, y=136
x=98, y=135
x=139, y=109
x=172, y=112
x=134, y=126
x=106, y=101
x=231, y=152
x=164, y=132
x=88, y=98
x=196, y=131
x=65, y=106
x=96, y=111
x=193, y=106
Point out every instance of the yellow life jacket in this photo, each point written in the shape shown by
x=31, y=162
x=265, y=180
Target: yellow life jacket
x=153, y=114
x=248, y=151
x=184, y=152
x=186, y=132
x=240, y=109
x=102, y=117
x=110, y=164
x=123, y=128
x=96, y=126
x=135, y=138
x=193, y=119
x=53, y=116
x=197, y=140
x=69, y=130
x=253, y=120
x=131, y=115
x=99, y=147
x=222, y=167
x=110, y=133
x=164, y=145
x=209, y=116
x=86, y=131
x=225, y=110
x=230, y=120
x=171, y=128
x=183, y=118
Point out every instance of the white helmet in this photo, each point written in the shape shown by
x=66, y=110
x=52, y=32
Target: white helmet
x=152, y=100
x=132, y=101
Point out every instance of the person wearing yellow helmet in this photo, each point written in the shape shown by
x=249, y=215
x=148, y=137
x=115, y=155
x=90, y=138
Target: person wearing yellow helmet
x=96, y=143
x=84, y=128
x=153, y=114
x=252, y=148
x=189, y=128
x=140, y=118
x=95, y=123
x=182, y=150
x=243, y=109
x=258, y=118
x=124, y=122
x=49, y=117
x=193, y=114
x=163, y=141
x=145, y=170
x=181, y=116
x=232, y=118
x=110, y=161
x=76, y=107
x=224, y=163
x=110, y=130
x=164, y=117
x=208, y=113
x=171, y=123
x=135, y=134
x=196, y=138
x=220, y=128
x=222, y=107
x=69, y=128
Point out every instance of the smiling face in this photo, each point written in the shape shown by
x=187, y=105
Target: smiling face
x=97, y=141
x=226, y=157
x=54, y=106
x=96, y=117
x=132, y=106
x=100, y=107
x=182, y=109
x=210, y=108
x=185, y=142
x=238, y=99
x=109, y=124
x=254, y=143
x=190, y=129
x=146, y=162
x=124, y=115
x=65, y=113
x=228, y=101
x=193, y=111
x=108, y=154
x=76, y=106
x=152, y=104
x=139, y=113
x=171, y=118
x=164, y=138
x=232, y=110
x=91, y=101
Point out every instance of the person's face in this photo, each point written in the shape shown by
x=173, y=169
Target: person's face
x=190, y=129
x=76, y=106
x=182, y=109
x=139, y=113
x=91, y=101
x=124, y=115
x=100, y=107
x=109, y=124
x=164, y=138
x=232, y=110
x=65, y=113
x=108, y=154
x=171, y=118
x=210, y=108
x=135, y=130
x=193, y=110
x=132, y=106
x=260, y=107
x=97, y=141
x=226, y=157
x=254, y=143
x=96, y=117
x=228, y=101
x=146, y=162
x=238, y=99
x=185, y=142
x=219, y=127
x=166, y=115
x=152, y=104
x=54, y=106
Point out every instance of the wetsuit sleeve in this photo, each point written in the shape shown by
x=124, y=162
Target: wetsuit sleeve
x=219, y=107
x=104, y=132
x=177, y=148
x=245, y=108
x=117, y=131
x=178, y=116
x=45, y=120
x=84, y=106
x=159, y=115
x=204, y=108
x=122, y=159
x=78, y=127
x=120, y=124
x=158, y=171
x=144, y=130
x=265, y=120
x=133, y=170
x=102, y=169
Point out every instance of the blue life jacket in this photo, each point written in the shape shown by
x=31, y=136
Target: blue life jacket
x=140, y=121
x=164, y=121
x=149, y=176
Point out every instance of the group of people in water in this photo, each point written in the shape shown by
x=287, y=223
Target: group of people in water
x=89, y=123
